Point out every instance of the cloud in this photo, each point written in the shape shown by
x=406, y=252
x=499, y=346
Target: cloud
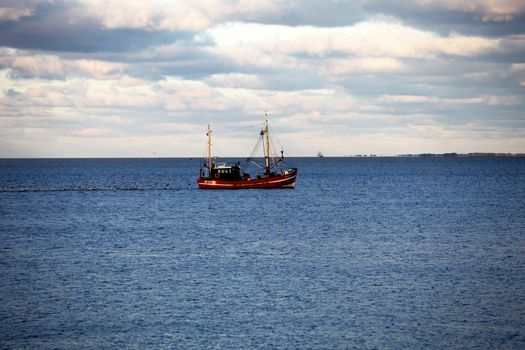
x=153, y=16
x=237, y=80
x=14, y=13
x=517, y=70
x=26, y=65
x=485, y=100
x=65, y=26
x=484, y=17
x=338, y=67
x=364, y=39
x=484, y=10
x=242, y=10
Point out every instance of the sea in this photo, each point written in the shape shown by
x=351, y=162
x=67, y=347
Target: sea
x=365, y=253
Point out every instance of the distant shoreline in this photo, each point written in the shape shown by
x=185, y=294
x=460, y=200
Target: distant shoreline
x=449, y=155
x=476, y=154
x=409, y=155
x=436, y=155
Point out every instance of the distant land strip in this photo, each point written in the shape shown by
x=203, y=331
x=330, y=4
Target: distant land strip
x=453, y=154
x=475, y=154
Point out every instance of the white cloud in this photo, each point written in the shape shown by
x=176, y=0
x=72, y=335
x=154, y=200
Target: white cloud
x=254, y=42
x=517, y=71
x=47, y=66
x=237, y=80
x=36, y=65
x=484, y=100
x=244, y=10
x=175, y=15
x=178, y=14
x=406, y=99
x=96, y=69
x=179, y=94
x=111, y=96
x=190, y=89
x=466, y=46
x=14, y=14
x=338, y=67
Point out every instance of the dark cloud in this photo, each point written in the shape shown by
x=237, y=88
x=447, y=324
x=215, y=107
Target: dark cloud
x=317, y=13
x=12, y=93
x=427, y=16
x=290, y=81
x=511, y=50
x=189, y=69
x=445, y=21
x=186, y=62
x=58, y=27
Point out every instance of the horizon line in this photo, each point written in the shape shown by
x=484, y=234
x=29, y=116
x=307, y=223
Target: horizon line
x=371, y=155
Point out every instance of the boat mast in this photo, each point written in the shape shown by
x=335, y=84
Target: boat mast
x=209, y=147
x=266, y=145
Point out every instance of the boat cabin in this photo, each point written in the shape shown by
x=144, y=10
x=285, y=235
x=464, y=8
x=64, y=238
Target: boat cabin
x=227, y=172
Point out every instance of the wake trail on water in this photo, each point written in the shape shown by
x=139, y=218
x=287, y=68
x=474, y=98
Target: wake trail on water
x=92, y=188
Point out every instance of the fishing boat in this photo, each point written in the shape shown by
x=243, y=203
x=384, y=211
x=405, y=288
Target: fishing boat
x=233, y=176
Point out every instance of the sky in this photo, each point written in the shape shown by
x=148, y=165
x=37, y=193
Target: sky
x=119, y=78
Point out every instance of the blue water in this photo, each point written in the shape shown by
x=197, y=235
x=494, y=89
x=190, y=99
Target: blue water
x=366, y=253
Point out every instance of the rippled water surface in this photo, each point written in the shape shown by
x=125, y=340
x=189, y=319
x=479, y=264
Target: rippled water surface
x=365, y=253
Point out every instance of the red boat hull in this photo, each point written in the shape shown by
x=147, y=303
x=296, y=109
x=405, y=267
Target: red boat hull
x=286, y=180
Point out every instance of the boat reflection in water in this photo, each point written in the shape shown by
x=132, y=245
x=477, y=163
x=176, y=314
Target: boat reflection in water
x=234, y=176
